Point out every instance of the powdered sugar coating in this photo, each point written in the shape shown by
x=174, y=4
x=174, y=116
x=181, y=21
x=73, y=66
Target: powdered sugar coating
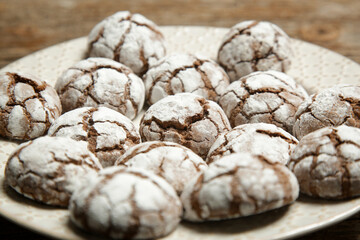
x=49, y=169
x=185, y=73
x=329, y=107
x=187, y=119
x=126, y=203
x=251, y=46
x=96, y=82
x=174, y=162
x=326, y=162
x=128, y=38
x=255, y=138
x=270, y=97
x=107, y=133
x=237, y=185
x=28, y=106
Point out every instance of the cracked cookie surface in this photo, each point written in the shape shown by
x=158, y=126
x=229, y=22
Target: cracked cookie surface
x=252, y=46
x=187, y=119
x=329, y=107
x=237, y=185
x=101, y=82
x=185, y=73
x=49, y=169
x=107, y=133
x=28, y=106
x=126, y=203
x=326, y=162
x=128, y=38
x=269, y=97
x=255, y=138
x=174, y=162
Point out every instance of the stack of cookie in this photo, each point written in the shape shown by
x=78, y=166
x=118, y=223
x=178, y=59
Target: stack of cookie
x=218, y=139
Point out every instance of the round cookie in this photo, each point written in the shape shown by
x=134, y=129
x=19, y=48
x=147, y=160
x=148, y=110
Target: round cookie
x=174, y=162
x=252, y=46
x=28, y=106
x=101, y=82
x=49, y=169
x=329, y=107
x=270, y=97
x=128, y=38
x=255, y=138
x=107, y=133
x=326, y=163
x=187, y=119
x=126, y=203
x=185, y=73
x=238, y=185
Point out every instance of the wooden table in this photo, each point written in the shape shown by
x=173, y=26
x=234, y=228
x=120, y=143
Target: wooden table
x=27, y=26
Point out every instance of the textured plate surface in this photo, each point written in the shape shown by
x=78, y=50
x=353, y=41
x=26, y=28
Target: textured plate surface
x=314, y=67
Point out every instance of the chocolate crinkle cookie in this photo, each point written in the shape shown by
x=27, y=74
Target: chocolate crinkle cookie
x=269, y=97
x=252, y=46
x=236, y=185
x=174, y=162
x=187, y=119
x=255, y=138
x=326, y=162
x=126, y=203
x=49, y=169
x=128, y=38
x=185, y=73
x=330, y=107
x=28, y=106
x=107, y=133
x=101, y=82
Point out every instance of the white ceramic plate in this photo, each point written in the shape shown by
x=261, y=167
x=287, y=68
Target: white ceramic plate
x=313, y=66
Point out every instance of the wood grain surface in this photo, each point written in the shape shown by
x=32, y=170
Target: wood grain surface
x=27, y=26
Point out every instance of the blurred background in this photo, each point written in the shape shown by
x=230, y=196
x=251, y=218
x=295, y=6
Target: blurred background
x=27, y=26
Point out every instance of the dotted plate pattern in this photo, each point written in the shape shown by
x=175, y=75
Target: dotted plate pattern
x=313, y=67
